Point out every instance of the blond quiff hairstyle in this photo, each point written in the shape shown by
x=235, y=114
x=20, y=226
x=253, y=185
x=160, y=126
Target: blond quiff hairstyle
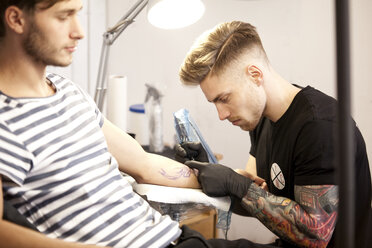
x=216, y=49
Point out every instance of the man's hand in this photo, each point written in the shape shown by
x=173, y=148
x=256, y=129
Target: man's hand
x=190, y=151
x=260, y=182
x=219, y=180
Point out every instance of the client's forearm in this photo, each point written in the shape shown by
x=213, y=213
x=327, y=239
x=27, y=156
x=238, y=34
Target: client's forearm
x=168, y=172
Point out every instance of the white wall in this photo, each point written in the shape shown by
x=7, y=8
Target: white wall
x=361, y=64
x=298, y=36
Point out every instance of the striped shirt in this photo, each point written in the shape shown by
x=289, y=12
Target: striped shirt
x=57, y=171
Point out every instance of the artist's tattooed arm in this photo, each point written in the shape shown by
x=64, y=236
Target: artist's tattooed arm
x=309, y=221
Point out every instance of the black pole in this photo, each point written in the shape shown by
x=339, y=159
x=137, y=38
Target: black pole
x=346, y=180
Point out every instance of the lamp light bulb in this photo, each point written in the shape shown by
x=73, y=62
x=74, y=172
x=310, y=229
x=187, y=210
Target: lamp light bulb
x=173, y=14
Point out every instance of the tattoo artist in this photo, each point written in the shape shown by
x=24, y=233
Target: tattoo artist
x=289, y=182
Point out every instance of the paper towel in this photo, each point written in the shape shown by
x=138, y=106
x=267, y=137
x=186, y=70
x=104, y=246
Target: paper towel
x=117, y=101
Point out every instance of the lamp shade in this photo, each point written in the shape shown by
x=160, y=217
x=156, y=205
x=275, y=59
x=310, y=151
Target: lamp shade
x=172, y=14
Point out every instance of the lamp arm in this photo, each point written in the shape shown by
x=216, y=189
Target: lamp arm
x=109, y=38
x=101, y=76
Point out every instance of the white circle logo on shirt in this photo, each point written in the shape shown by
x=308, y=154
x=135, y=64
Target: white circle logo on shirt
x=277, y=176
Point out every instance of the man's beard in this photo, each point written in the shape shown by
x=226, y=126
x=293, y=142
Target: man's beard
x=38, y=47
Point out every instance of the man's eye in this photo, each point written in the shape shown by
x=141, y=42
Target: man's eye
x=62, y=18
x=224, y=99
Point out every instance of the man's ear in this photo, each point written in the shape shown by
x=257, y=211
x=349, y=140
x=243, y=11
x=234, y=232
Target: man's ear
x=255, y=73
x=15, y=19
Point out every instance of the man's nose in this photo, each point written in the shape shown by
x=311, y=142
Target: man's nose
x=77, y=30
x=223, y=112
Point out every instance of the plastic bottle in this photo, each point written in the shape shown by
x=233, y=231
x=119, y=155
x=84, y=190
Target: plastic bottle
x=154, y=114
x=138, y=124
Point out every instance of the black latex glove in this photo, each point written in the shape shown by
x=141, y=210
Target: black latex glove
x=219, y=180
x=190, y=151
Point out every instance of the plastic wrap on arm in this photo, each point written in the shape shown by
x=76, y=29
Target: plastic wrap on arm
x=187, y=130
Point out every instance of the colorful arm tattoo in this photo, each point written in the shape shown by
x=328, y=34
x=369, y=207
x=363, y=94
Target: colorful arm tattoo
x=308, y=222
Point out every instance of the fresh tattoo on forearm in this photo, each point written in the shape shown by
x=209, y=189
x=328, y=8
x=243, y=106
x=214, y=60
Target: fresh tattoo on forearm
x=309, y=221
x=183, y=172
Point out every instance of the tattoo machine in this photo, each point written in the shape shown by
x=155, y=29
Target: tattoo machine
x=188, y=131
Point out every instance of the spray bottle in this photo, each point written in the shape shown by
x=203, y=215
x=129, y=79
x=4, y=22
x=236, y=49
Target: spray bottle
x=154, y=114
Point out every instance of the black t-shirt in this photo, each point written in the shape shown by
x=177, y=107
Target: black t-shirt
x=299, y=149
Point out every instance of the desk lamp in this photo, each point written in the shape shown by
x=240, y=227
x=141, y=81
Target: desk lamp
x=166, y=14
